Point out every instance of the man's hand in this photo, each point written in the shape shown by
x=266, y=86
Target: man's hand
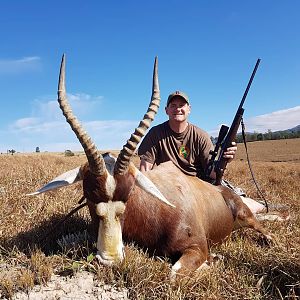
x=145, y=166
x=230, y=152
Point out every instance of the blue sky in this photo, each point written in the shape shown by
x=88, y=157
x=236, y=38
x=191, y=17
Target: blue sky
x=206, y=48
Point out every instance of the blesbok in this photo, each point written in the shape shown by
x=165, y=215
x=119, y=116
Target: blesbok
x=163, y=210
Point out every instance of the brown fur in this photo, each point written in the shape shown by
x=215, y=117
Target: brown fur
x=124, y=187
x=93, y=187
x=243, y=217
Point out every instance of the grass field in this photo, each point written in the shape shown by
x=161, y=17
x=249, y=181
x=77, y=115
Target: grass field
x=30, y=253
x=272, y=151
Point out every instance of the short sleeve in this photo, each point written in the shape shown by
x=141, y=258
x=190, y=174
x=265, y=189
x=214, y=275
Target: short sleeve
x=148, y=147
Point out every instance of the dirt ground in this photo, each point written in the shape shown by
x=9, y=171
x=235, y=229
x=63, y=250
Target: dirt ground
x=81, y=286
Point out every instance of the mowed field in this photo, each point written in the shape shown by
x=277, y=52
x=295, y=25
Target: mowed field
x=31, y=247
x=272, y=151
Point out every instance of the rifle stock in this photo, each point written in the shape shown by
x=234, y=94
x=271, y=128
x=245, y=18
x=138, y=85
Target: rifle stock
x=217, y=161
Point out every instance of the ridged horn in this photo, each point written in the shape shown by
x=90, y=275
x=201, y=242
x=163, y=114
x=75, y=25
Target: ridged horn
x=95, y=159
x=126, y=153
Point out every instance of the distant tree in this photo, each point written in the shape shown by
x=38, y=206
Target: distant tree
x=277, y=135
x=268, y=135
x=260, y=137
x=69, y=153
x=11, y=151
x=239, y=138
x=37, y=150
x=251, y=137
x=255, y=134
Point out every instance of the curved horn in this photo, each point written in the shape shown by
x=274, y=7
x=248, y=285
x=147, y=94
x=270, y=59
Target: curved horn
x=126, y=153
x=95, y=159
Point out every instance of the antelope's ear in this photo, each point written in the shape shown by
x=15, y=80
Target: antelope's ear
x=64, y=179
x=147, y=185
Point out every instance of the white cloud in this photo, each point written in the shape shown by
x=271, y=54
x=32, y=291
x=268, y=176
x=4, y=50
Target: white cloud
x=14, y=66
x=111, y=134
x=82, y=104
x=46, y=109
x=47, y=128
x=25, y=123
x=58, y=136
x=277, y=120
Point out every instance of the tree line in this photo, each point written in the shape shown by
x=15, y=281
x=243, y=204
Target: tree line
x=269, y=135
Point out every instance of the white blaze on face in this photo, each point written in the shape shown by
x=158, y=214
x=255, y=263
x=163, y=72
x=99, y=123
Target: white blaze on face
x=109, y=242
x=110, y=183
x=110, y=186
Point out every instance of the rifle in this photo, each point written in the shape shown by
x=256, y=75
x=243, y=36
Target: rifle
x=226, y=137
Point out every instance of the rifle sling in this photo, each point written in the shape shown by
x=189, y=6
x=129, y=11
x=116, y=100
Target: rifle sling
x=250, y=167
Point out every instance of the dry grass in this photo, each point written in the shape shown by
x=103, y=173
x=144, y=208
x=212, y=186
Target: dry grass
x=272, y=151
x=250, y=270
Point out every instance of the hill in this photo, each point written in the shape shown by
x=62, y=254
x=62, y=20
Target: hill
x=294, y=129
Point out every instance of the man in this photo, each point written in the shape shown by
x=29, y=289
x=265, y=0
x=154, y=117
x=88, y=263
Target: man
x=186, y=145
x=179, y=141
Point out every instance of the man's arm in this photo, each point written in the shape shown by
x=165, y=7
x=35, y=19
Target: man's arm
x=145, y=166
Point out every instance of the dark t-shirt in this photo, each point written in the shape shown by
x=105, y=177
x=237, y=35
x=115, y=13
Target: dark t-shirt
x=188, y=150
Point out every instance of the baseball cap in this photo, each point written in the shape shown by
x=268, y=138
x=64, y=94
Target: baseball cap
x=180, y=94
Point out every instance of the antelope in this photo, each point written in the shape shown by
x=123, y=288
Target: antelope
x=162, y=210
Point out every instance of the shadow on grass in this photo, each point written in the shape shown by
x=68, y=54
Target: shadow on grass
x=279, y=273
x=283, y=281
x=45, y=235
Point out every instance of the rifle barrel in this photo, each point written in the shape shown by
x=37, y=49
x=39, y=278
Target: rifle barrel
x=249, y=83
x=221, y=162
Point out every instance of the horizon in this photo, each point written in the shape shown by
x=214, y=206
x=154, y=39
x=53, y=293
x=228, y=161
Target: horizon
x=113, y=150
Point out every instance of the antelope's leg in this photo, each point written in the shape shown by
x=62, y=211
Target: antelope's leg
x=245, y=218
x=193, y=258
x=242, y=214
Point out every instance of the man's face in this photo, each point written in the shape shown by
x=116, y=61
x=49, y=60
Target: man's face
x=178, y=109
